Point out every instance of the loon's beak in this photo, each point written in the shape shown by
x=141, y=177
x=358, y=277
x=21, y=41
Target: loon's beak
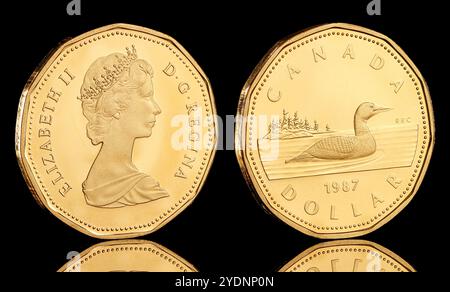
x=378, y=110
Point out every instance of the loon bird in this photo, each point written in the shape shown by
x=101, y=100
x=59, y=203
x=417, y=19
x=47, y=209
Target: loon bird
x=346, y=147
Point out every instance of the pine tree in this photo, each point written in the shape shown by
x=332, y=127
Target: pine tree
x=316, y=126
x=327, y=128
x=295, y=121
x=307, y=126
x=276, y=126
x=285, y=119
x=270, y=128
x=301, y=124
x=273, y=129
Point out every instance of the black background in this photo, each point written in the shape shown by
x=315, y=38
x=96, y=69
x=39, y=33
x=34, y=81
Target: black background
x=224, y=230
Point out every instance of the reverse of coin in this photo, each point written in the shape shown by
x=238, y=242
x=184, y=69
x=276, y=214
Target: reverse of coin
x=127, y=256
x=115, y=131
x=347, y=256
x=337, y=130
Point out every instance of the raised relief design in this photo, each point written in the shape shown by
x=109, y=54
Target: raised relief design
x=394, y=181
x=118, y=101
x=273, y=97
x=345, y=147
x=319, y=55
x=397, y=86
x=291, y=127
x=306, y=149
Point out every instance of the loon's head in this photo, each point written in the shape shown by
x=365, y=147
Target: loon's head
x=366, y=110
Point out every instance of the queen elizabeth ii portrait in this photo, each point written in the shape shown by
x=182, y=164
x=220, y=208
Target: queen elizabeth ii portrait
x=118, y=102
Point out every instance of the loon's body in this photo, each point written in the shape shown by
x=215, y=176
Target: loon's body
x=346, y=147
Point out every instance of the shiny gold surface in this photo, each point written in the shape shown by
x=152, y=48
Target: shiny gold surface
x=127, y=256
x=337, y=130
x=115, y=134
x=347, y=256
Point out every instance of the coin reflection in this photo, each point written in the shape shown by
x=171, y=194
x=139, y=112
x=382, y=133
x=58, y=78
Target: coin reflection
x=127, y=256
x=347, y=256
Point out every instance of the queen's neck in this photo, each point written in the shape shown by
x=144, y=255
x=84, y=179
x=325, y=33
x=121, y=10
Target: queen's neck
x=113, y=160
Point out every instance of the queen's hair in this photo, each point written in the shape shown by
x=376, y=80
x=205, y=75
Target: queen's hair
x=100, y=108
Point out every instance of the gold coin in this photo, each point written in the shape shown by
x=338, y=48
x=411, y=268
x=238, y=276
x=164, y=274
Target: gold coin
x=347, y=256
x=127, y=256
x=336, y=130
x=115, y=131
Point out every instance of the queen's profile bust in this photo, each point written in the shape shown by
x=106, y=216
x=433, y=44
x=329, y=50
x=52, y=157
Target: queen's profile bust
x=118, y=101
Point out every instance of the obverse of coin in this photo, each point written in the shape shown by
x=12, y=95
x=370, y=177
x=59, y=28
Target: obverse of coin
x=127, y=256
x=347, y=256
x=337, y=130
x=115, y=134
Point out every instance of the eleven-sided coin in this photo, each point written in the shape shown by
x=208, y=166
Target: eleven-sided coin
x=115, y=131
x=337, y=130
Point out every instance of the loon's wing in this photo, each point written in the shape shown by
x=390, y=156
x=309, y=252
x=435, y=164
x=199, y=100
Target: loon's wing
x=338, y=144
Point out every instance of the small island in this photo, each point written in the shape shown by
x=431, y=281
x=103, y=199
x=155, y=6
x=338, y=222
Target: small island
x=294, y=127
